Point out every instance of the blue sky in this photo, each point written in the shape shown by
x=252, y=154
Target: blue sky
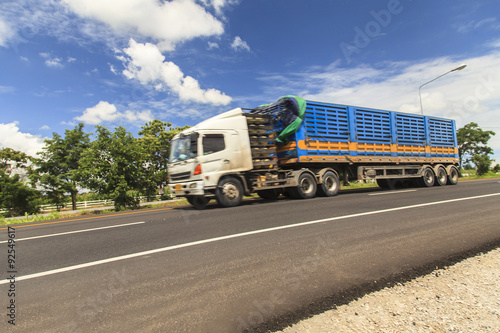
x=125, y=62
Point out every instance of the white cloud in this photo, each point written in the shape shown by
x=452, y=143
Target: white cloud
x=169, y=22
x=106, y=112
x=143, y=116
x=490, y=22
x=218, y=5
x=148, y=65
x=12, y=137
x=45, y=128
x=212, y=45
x=6, y=89
x=6, y=32
x=239, y=44
x=53, y=62
x=103, y=111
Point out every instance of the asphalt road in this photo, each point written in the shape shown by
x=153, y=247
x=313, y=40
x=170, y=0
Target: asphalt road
x=260, y=265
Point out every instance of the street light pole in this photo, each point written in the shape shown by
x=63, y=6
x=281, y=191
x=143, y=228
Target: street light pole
x=459, y=68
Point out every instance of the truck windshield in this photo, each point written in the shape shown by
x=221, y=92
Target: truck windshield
x=184, y=148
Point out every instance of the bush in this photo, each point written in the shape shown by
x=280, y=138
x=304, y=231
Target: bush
x=483, y=163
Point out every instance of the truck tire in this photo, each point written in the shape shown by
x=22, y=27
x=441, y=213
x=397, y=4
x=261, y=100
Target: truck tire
x=428, y=178
x=330, y=185
x=198, y=201
x=441, y=176
x=229, y=192
x=383, y=183
x=271, y=194
x=453, y=176
x=306, y=188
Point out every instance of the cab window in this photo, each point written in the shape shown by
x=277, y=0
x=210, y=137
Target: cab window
x=213, y=143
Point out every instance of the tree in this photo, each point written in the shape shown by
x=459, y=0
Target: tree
x=483, y=163
x=15, y=195
x=155, y=146
x=472, y=140
x=496, y=168
x=59, y=163
x=112, y=166
x=11, y=159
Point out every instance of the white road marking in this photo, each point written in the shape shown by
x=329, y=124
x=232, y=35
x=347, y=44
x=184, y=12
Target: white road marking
x=75, y=232
x=392, y=192
x=243, y=234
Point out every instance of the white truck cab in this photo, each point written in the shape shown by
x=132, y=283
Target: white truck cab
x=201, y=155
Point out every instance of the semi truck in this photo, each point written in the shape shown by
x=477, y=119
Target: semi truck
x=242, y=151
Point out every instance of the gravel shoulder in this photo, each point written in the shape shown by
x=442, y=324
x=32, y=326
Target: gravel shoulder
x=464, y=297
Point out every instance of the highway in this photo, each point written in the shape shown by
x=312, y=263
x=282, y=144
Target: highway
x=253, y=267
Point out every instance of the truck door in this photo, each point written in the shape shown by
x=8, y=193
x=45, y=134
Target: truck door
x=215, y=153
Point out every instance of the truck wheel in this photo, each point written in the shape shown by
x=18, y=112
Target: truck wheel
x=441, y=177
x=229, y=192
x=428, y=178
x=271, y=194
x=382, y=183
x=198, y=201
x=330, y=185
x=453, y=176
x=306, y=188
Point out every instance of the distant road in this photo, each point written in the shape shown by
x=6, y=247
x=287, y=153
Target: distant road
x=227, y=269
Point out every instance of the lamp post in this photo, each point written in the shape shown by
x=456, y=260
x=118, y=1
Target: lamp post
x=459, y=68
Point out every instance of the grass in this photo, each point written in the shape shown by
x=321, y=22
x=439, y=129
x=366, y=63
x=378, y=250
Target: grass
x=471, y=174
x=57, y=215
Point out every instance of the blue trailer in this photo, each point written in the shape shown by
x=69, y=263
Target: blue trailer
x=373, y=144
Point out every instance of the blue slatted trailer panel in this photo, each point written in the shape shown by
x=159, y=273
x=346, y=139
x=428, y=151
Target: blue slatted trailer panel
x=410, y=129
x=441, y=132
x=373, y=126
x=326, y=122
x=332, y=131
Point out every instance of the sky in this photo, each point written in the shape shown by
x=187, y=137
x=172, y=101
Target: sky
x=126, y=62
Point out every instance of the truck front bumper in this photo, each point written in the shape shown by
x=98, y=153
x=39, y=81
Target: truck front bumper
x=187, y=188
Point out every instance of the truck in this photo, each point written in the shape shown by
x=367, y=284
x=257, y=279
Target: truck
x=239, y=152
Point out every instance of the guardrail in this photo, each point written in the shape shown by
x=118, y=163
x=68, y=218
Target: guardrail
x=81, y=205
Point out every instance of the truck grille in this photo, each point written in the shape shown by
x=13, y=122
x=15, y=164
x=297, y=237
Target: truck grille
x=180, y=176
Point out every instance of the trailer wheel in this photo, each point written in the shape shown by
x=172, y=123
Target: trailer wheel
x=271, y=194
x=198, y=201
x=441, y=177
x=453, y=176
x=330, y=185
x=428, y=178
x=229, y=192
x=306, y=188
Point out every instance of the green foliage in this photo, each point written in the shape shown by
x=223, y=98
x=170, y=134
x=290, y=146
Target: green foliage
x=472, y=140
x=58, y=166
x=483, y=163
x=155, y=145
x=468, y=166
x=496, y=168
x=11, y=159
x=115, y=165
x=112, y=166
x=16, y=197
